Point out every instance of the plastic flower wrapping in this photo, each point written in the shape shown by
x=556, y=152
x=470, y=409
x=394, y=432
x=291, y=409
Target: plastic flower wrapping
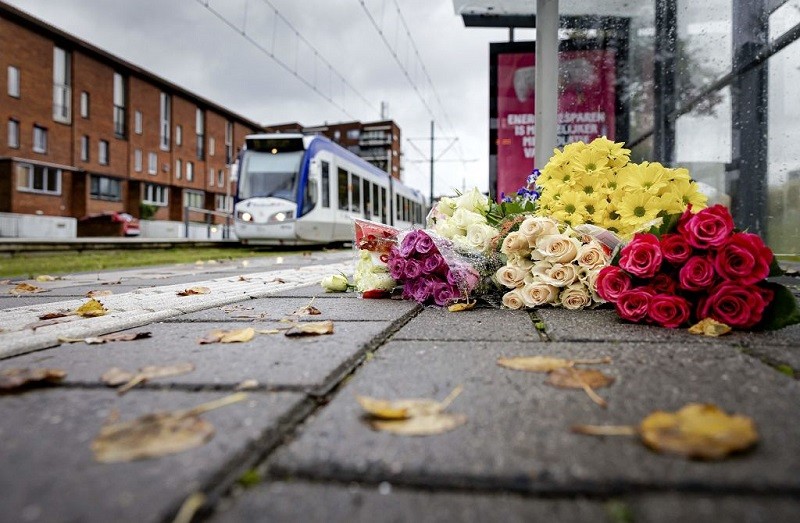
x=463, y=220
x=373, y=241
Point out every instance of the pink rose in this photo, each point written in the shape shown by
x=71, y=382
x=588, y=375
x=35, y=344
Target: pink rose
x=631, y=305
x=642, y=256
x=611, y=282
x=697, y=274
x=744, y=259
x=740, y=306
x=668, y=310
x=675, y=248
x=708, y=228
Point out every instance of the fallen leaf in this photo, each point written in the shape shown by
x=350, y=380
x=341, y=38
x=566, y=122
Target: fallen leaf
x=228, y=336
x=54, y=315
x=26, y=288
x=399, y=409
x=190, y=507
x=420, y=425
x=411, y=417
x=94, y=294
x=157, y=434
x=194, y=290
x=247, y=385
x=54, y=321
x=459, y=307
x=568, y=378
x=307, y=311
x=91, y=309
x=117, y=336
x=267, y=331
x=312, y=328
x=242, y=278
x=545, y=363
x=709, y=327
x=45, y=277
x=116, y=376
x=11, y=379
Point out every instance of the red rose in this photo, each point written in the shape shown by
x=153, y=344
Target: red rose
x=697, y=274
x=735, y=305
x=744, y=259
x=675, y=248
x=668, y=310
x=663, y=284
x=611, y=282
x=708, y=228
x=642, y=256
x=632, y=305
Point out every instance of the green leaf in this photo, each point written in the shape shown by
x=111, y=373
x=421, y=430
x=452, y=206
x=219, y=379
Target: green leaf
x=783, y=310
x=669, y=224
x=775, y=268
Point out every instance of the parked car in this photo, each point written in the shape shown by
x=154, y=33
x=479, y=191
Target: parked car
x=108, y=223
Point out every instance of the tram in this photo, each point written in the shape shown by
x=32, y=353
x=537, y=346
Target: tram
x=296, y=189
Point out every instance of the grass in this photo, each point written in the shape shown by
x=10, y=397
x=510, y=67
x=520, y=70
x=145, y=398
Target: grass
x=55, y=264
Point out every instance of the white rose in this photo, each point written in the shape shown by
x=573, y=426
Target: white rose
x=557, y=248
x=575, y=297
x=514, y=243
x=591, y=255
x=513, y=299
x=536, y=294
x=511, y=276
x=334, y=283
x=559, y=275
x=446, y=206
x=447, y=229
x=473, y=200
x=463, y=218
x=535, y=226
x=480, y=236
x=377, y=281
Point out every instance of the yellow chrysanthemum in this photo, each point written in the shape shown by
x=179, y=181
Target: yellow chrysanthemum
x=648, y=177
x=617, y=155
x=591, y=162
x=681, y=193
x=679, y=173
x=636, y=209
x=570, y=208
x=595, y=207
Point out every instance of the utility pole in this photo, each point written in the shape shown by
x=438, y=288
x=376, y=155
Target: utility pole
x=432, y=160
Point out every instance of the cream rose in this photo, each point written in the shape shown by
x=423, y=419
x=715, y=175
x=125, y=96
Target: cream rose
x=510, y=276
x=446, y=206
x=480, y=236
x=447, y=229
x=536, y=294
x=591, y=255
x=540, y=268
x=463, y=218
x=591, y=283
x=560, y=275
x=575, y=296
x=535, y=226
x=514, y=243
x=474, y=201
x=557, y=248
x=513, y=299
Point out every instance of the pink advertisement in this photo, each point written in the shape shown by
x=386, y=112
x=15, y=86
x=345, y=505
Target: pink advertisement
x=585, y=108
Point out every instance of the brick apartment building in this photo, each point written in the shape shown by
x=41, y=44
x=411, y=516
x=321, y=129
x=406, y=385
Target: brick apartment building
x=376, y=142
x=82, y=131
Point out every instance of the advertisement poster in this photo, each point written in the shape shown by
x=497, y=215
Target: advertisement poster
x=586, y=108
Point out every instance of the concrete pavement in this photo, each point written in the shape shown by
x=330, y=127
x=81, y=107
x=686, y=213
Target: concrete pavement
x=298, y=449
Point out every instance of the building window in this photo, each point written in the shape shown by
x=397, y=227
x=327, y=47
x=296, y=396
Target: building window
x=211, y=177
x=39, y=139
x=84, y=148
x=178, y=135
x=137, y=122
x=137, y=160
x=152, y=163
x=102, y=152
x=200, y=129
x=105, y=188
x=155, y=195
x=84, y=104
x=13, y=133
x=223, y=203
x=189, y=172
x=221, y=178
x=353, y=134
x=119, y=105
x=194, y=199
x=35, y=178
x=178, y=169
x=165, y=121
x=228, y=143
x=13, y=81
x=212, y=145
x=62, y=109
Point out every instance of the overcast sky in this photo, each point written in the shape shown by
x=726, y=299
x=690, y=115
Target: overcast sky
x=186, y=43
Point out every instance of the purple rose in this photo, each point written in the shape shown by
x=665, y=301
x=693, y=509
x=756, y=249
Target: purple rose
x=421, y=290
x=397, y=266
x=424, y=243
x=412, y=269
x=433, y=263
x=444, y=293
x=409, y=245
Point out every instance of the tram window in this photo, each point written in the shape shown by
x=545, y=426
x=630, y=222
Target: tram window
x=356, y=185
x=397, y=214
x=406, y=210
x=384, y=204
x=310, y=196
x=326, y=186
x=343, y=201
x=367, y=199
x=376, y=204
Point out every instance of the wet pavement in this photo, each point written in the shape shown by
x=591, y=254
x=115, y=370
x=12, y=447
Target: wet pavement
x=298, y=448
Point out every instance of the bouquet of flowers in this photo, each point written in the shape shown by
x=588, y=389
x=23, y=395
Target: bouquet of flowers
x=430, y=270
x=373, y=242
x=597, y=184
x=551, y=264
x=463, y=220
x=698, y=267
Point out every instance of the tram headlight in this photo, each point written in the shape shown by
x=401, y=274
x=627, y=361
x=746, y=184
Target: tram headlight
x=281, y=216
x=245, y=216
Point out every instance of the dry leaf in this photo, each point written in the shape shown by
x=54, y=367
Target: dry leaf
x=420, y=425
x=55, y=321
x=11, y=379
x=45, y=277
x=307, y=311
x=116, y=376
x=545, y=363
x=26, y=288
x=193, y=290
x=459, y=307
x=91, y=309
x=242, y=278
x=312, y=328
x=267, y=331
x=399, y=409
x=247, y=385
x=157, y=434
x=95, y=294
x=567, y=378
x=117, y=336
x=54, y=315
x=412, y=417
x=228, y=336
x=709, y=327
x=697, y=430
x=190, y=507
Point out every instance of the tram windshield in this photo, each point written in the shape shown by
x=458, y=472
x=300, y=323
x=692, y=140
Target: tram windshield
x=265, y=174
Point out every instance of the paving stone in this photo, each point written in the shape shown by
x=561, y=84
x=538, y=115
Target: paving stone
x=517, y=436
x=785, y=359
x=499, y=325
x=337, y=308
x=316, y=291
x=310, y=502
x=47, y=470
x=13, y=302
x=699, y=508
x=314, y=363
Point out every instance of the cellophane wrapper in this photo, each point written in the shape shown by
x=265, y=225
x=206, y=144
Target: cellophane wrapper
x=372, y=243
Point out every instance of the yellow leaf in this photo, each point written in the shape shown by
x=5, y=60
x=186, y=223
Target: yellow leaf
x=24, y=288
x=459, y=307
x=193, y=290
x=398, y=409
x=91, y=309
x=411, y=417
x=95, y=294
x=545, y=363
x=420, y=425
x=709, y=327
x=16, y=378
x=116, y=376
x=45, y=277
x=697, y=430
x=267, y=331
x=569, y=378
x=312, y=328
x=238, y=335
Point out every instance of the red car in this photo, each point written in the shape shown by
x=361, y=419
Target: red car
x=108, y=223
